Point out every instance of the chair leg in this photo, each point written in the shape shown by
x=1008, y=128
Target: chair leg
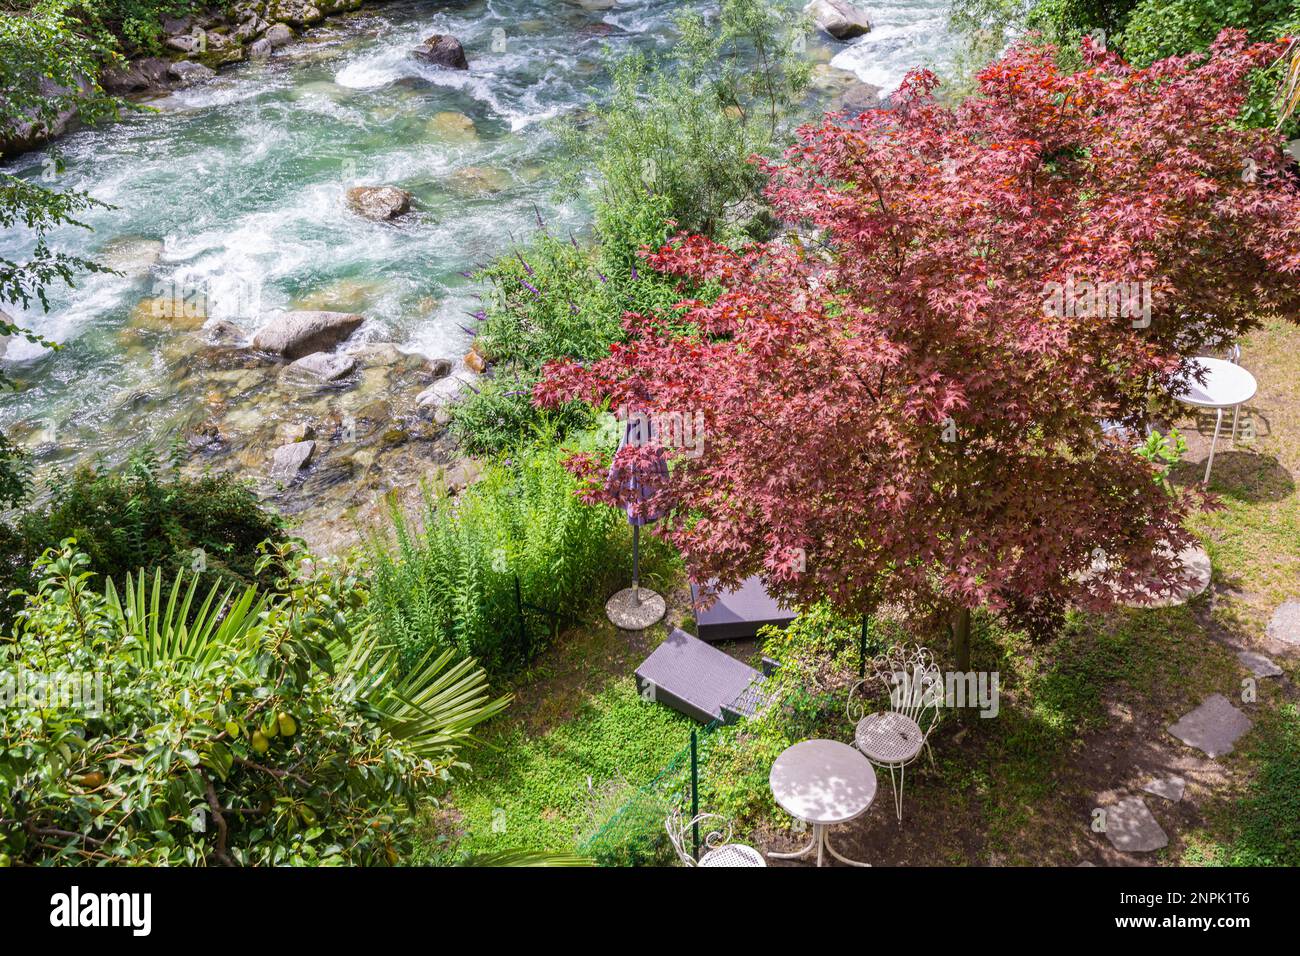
x=933, y=765
x=902, y=782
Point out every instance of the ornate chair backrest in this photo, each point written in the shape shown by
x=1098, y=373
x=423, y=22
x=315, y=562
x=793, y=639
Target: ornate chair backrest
x=910, y=676
x=715, y=832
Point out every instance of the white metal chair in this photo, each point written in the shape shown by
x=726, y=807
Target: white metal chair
x=895, y=737
x=715, y=840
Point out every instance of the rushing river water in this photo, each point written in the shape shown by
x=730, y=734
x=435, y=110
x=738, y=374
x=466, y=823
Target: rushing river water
x=235, y=188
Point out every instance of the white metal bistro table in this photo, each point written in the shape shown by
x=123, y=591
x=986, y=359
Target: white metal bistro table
x=1226, y=386
x=822, y=782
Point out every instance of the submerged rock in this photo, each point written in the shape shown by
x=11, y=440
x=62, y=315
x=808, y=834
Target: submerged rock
x=479, y=180
x=443, y=50
x=379, y=203
x=841, y=20
x=295, y=334
x=289, y=460
x=450, y=125
x=133, y=256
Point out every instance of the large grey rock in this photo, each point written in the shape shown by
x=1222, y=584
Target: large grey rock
x=289, y=460
x=446, y=390
x=188, y=73
x=1258, y=664
x=295, y=334
x=1285, y=625
x=841, y=20
x=1213, y=727
x=278, y=34
x=379, y=203
x=1131, y=827
x=260, y=48
x=319, y=368
x=148, y=73
x=442, y=50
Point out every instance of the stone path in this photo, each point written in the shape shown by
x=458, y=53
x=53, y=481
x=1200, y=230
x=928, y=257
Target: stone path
x=1285, y=625
x=1213, y=727
x=1258, y=664
x=1171, y=787
x=1131, y=827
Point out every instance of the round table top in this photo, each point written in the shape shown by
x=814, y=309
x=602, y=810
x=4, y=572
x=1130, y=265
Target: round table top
x=823, y=781
x=1225, y=385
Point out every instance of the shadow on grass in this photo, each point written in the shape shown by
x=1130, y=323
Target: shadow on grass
x=1242, y=475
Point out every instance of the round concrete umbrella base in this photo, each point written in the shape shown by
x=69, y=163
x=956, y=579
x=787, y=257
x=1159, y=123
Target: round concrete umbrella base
x=630, y=614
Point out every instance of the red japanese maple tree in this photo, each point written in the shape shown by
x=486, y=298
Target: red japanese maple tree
x=903, y=406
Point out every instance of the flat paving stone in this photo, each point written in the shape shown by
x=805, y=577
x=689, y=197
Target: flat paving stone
x=1131, y=827
x=1258, y=664
x=1192, y=579
x=1285, y=625
x=1213, y=727
x=1171, y=787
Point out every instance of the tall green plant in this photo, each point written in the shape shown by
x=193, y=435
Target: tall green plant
x=447, y=581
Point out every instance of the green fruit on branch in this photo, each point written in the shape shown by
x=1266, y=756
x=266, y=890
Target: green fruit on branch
x=89, y=780
x=260, y=742
x=288, y=726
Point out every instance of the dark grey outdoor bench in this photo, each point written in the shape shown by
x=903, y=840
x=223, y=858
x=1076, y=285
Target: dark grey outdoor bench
x=739, y=613
x=699, y=680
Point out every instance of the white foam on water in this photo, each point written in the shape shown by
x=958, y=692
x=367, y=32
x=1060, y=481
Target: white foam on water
x=903, y=37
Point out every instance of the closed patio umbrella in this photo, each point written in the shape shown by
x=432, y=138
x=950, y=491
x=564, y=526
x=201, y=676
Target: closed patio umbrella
x=634, y=480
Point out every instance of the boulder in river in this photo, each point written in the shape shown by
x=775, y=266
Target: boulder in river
x=319, y=368
x=278, y=34
x=289, y=460
x=260, y=48
x=188, y=73
x=295, y=334
x=446, y=390
x=146, y=74
x=442, y=49
x=841, y=20
x=379, y=203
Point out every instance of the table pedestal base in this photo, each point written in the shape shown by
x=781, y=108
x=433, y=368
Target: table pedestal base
x=820, y=844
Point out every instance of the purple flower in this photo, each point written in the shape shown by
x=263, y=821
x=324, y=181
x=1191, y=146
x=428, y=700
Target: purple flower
x=531, y=288
x=600, y=275
x=527, y=267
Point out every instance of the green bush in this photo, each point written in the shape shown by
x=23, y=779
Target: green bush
x=551, y=300
x=146, y=514
x=684, y=126
x=228, y=728
x=448, y=581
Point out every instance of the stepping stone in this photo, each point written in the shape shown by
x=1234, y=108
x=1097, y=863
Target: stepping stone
x=1213, y=727
x=1171, y=788
x=1131, y=827
x=1285, y=625
x=1192, y=578
x=1258, y=664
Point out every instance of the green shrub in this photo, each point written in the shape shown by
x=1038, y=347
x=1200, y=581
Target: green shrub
x=228, y=728
x=683, y=127
x=448, y=581
x=551, y=300
x=146, y=514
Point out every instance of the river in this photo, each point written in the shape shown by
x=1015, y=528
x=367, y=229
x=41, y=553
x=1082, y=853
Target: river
x=234, y=188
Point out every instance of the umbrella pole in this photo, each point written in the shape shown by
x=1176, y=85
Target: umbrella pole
x=636, y=564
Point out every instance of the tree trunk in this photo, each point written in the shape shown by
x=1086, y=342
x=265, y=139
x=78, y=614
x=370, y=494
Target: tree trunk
x=961, y=640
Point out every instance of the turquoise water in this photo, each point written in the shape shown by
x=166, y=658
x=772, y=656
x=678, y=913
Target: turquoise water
x=234, y=192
